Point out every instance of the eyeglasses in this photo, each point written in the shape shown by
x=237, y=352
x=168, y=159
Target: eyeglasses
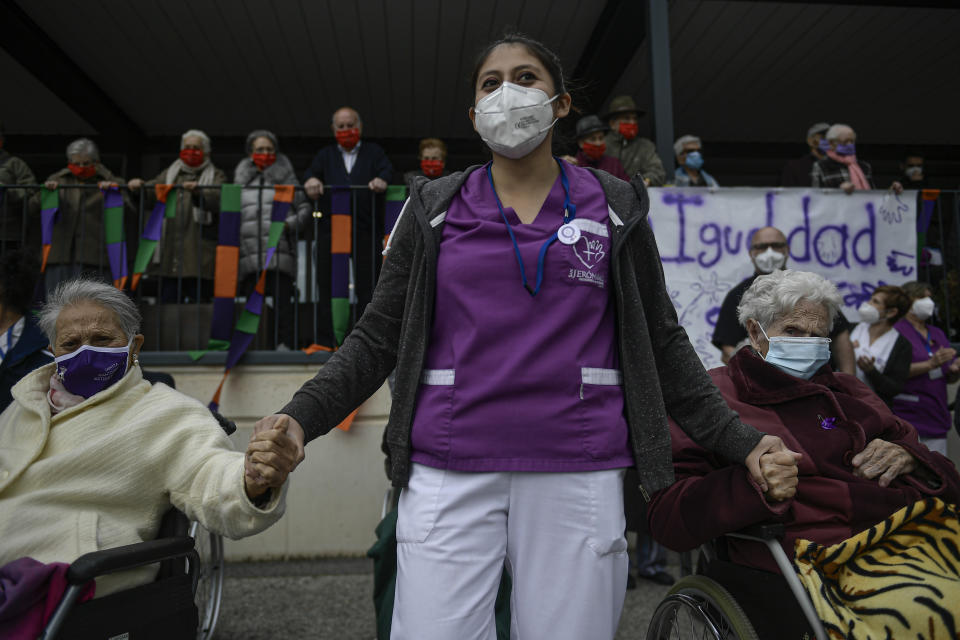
x=763, y=246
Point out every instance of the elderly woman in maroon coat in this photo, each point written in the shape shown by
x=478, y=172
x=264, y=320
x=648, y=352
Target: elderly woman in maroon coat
x=855, y=462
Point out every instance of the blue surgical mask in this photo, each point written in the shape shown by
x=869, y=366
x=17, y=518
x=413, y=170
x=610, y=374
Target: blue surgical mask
x=823, y=145
x=694, y=160
x=847, y=149
x=798, y=357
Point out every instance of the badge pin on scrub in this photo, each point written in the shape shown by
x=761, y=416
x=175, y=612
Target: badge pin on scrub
x=568, y=233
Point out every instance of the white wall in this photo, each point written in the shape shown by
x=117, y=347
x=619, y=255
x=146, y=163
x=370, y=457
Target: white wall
x=336, y=494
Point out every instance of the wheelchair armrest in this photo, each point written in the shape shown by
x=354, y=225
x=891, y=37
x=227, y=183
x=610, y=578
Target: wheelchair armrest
x=761, y=531
x=98, y=563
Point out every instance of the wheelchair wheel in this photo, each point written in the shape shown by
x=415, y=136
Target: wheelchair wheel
x=210, y=584
x=698, y=607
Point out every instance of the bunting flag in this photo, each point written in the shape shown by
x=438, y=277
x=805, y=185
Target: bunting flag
x=341, y=244
x=166, y=207
x=249, y=320
x=113, y=230
x=49, y=214
x=928, y=200
x=396, y=195
x=226, y=268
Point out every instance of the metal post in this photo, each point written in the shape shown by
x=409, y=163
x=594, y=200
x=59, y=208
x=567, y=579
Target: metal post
x=658, y=35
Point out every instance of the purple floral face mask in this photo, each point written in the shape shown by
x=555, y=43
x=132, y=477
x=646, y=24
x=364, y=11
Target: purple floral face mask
x=90, y=370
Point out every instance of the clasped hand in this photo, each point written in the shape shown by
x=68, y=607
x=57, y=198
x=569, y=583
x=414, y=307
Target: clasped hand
x=271, y=455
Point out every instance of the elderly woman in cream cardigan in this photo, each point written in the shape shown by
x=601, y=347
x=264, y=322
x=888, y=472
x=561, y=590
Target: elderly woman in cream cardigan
x=92, y=455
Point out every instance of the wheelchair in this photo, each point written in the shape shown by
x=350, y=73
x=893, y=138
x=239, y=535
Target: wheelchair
x=183, y=601
x=698, y=606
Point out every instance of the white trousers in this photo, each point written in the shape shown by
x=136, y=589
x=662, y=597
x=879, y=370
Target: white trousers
x=561, y=535
x=935, y=444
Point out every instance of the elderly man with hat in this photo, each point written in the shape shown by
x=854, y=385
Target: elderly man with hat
x=590, y=139
x=624, y=143
x=796, y=173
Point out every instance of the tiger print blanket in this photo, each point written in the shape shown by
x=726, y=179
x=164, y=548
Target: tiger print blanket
x=898, y=579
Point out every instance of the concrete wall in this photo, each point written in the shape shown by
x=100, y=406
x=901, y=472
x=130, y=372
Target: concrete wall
x=336, y=494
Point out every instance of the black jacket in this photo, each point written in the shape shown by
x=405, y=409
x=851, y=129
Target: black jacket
x=25, y=356
x=662, y=373
x=372, y=162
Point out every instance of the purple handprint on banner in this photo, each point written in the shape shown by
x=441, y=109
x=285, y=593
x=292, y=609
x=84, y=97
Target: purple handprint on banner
x=896, y=267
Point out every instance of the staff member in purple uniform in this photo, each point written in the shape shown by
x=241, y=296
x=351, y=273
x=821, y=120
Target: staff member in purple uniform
x=923, y=400
x=538, y=355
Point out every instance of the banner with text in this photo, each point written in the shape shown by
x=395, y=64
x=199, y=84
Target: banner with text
x=857, y=241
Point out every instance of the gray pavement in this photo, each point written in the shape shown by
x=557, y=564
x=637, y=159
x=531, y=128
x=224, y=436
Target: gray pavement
x=332, y=599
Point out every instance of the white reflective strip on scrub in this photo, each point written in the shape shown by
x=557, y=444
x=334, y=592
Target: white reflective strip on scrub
x=608, y=377
x=395, y=224
x=438, y=377
x=438, y=220
x=591, y=226
x=614, y=217
x=907, y=397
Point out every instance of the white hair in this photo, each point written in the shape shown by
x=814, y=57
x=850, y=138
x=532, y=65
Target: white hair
x=78, y=290
x=776, y=294
x=682, y=140
x=837, y=130
x=199, y=134
x=83, y=147
x=355, y=112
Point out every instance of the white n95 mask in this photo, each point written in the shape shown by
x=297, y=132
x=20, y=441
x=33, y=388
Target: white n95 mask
x=514, y=120
x=923, y=308
x=868, y=313
x=770, y=260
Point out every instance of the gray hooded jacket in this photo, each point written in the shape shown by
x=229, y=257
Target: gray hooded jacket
x=662, y=374
x=256, y=209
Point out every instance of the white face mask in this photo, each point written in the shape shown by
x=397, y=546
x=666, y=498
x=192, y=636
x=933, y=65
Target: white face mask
x=769, y=261
x=922, y=308
x=514, y=120
x=868, y=313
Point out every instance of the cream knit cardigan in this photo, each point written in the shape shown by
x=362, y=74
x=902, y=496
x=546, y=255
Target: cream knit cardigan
x=103, y=473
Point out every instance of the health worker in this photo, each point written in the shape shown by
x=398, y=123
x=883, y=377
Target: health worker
x=538, y=356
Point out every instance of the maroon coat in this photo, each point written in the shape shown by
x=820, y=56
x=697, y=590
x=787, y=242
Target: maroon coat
x=712, y=496
x=605, y=163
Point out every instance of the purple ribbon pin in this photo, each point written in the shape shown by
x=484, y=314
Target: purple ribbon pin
x=827, y=423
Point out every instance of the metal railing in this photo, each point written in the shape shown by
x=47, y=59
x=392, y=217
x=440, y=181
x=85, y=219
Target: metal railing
x=177, y=305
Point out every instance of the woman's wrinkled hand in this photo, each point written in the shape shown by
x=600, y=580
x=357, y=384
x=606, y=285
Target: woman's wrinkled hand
x=781, y=473
x=883, y=459
x=767, y=444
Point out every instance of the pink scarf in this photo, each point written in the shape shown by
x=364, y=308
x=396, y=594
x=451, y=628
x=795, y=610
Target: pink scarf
x=59, y=398
x=856, y=173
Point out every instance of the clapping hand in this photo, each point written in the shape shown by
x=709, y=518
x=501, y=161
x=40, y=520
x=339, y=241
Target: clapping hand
x=942, y=356
x=884, y=459
x=273, y=452
x=866, y=363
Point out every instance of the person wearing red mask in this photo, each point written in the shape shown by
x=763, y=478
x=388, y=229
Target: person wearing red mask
x=77, y=244
x=433, y=160
x=264, y=167
x=590, y=139
x=188, y=245
x=354, y=161
x=635, y=153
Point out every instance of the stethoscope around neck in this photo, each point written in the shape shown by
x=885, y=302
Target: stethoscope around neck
x=566, y=233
